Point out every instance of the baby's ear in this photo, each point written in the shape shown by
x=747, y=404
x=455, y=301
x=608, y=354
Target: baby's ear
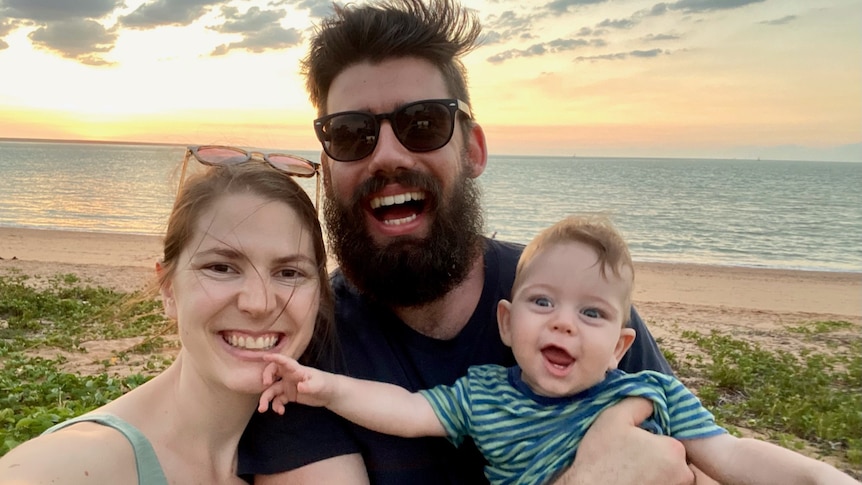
x=504, y=313
x=627, y=338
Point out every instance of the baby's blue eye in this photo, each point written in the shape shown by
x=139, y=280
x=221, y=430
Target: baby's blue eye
x=542, y=301
x=592, y=313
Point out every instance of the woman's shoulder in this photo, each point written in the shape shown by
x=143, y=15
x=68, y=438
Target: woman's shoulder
x=84, y=452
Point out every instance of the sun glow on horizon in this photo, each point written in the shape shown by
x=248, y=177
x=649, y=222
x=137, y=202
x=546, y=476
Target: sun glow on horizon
x=593, y=78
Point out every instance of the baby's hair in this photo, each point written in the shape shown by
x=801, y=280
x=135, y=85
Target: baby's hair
x=595, y=231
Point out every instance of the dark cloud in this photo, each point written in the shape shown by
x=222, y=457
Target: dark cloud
x=562, y=6
x=623, y=55
x=83, y=40
x=317, y=9
x=260, y=29
x=781, y=21
x=660, y=37
x=68, y=28
x=506, y=26
x=697, y=6
x=617, y=24
x=53, y=10
x=552, y=47
x=168, y=12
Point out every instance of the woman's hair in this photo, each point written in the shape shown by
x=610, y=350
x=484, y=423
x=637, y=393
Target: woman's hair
x=438, y=31
x=201, y=191
x=595, y=231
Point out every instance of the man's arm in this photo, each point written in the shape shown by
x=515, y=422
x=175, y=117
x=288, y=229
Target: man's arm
x=344, y=469
x=615, y=450
x=382, y=407
x=733, y=460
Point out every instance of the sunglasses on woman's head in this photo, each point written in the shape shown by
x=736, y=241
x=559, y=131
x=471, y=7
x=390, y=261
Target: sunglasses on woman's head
x=421, y=126
x=215, y=155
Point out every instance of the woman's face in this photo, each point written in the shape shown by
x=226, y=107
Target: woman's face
x=245, y=284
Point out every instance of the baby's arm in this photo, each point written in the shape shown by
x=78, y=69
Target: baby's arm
x=382, y=407
x=732, y=460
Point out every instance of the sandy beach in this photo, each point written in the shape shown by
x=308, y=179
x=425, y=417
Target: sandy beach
x=755, y=303
x=126, y=262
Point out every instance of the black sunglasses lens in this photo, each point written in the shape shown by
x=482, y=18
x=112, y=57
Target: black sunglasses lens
x=350, y=136
x=422, y=127
x=221, y=155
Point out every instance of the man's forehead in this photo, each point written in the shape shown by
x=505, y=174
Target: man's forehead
x=383, y=86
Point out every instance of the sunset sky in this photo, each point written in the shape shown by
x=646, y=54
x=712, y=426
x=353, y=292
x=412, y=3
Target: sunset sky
x=687, y=78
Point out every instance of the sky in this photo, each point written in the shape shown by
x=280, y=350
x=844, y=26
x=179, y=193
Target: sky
x=770, y=79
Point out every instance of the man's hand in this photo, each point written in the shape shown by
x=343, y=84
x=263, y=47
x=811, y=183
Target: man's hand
x=615, y=450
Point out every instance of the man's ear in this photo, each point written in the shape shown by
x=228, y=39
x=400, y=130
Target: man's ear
x=477, y=150
x=627, y=338
x=504, y=313
x=167, y=292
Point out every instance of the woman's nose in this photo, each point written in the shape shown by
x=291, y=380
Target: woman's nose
x=256, y=296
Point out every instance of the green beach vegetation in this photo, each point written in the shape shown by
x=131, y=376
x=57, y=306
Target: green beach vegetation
x=808, y=399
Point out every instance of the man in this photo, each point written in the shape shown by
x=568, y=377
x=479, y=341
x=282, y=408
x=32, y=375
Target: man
x=418, y=284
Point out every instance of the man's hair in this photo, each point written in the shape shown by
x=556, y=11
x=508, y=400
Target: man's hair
x=438, y=31
x=595, y=231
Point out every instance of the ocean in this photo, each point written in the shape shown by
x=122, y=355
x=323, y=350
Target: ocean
x=753, y=213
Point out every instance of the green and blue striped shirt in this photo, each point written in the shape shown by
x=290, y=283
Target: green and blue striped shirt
x=528, y=438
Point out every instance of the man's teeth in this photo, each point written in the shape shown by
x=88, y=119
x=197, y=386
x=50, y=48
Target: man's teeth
x=389, y=200
x=260, y=343
x=398, y=222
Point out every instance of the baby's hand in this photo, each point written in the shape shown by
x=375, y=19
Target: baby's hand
x=288, y=380
x=280, y=376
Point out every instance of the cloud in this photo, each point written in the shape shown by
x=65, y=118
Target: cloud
x=80, y=39
x=167, y=12
x=781, y=21
x=660, y=37
x=697, y=6
x=260, y=29
x=41, y=11
x=552, y=47
x=617, y=24
x=68, y=28
x=623, y=55
x=317, y=9
x=562, y=6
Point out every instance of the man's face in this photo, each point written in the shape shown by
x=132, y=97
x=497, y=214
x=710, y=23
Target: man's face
x=404, y=226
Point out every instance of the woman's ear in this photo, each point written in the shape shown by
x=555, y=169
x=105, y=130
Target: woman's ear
x=627, y=338
x=504, y=313
x=167, y=292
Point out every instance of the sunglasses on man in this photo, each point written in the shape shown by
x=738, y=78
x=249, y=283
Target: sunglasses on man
x=420, y=126
x=215, y=155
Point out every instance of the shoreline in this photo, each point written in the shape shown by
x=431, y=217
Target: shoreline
x=127, y=260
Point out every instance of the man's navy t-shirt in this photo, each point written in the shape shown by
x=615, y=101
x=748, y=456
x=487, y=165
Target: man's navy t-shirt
x=375, y=344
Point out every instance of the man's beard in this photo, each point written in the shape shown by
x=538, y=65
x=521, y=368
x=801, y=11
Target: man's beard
x=408, y=271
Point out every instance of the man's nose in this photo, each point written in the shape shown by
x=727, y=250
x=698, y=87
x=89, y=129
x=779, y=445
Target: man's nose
x=389, y=155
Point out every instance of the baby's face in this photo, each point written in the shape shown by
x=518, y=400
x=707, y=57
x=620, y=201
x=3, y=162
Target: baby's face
x=565, y=323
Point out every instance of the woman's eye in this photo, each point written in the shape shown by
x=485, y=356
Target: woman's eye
x=592, y=313
x=219, y=268
x=289, y=273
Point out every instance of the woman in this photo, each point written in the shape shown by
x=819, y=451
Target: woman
x=243, y=274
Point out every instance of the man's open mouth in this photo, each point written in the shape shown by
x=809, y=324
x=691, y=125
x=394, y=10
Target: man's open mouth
x=394, y=210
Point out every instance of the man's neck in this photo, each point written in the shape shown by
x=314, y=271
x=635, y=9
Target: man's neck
x=445, y=317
